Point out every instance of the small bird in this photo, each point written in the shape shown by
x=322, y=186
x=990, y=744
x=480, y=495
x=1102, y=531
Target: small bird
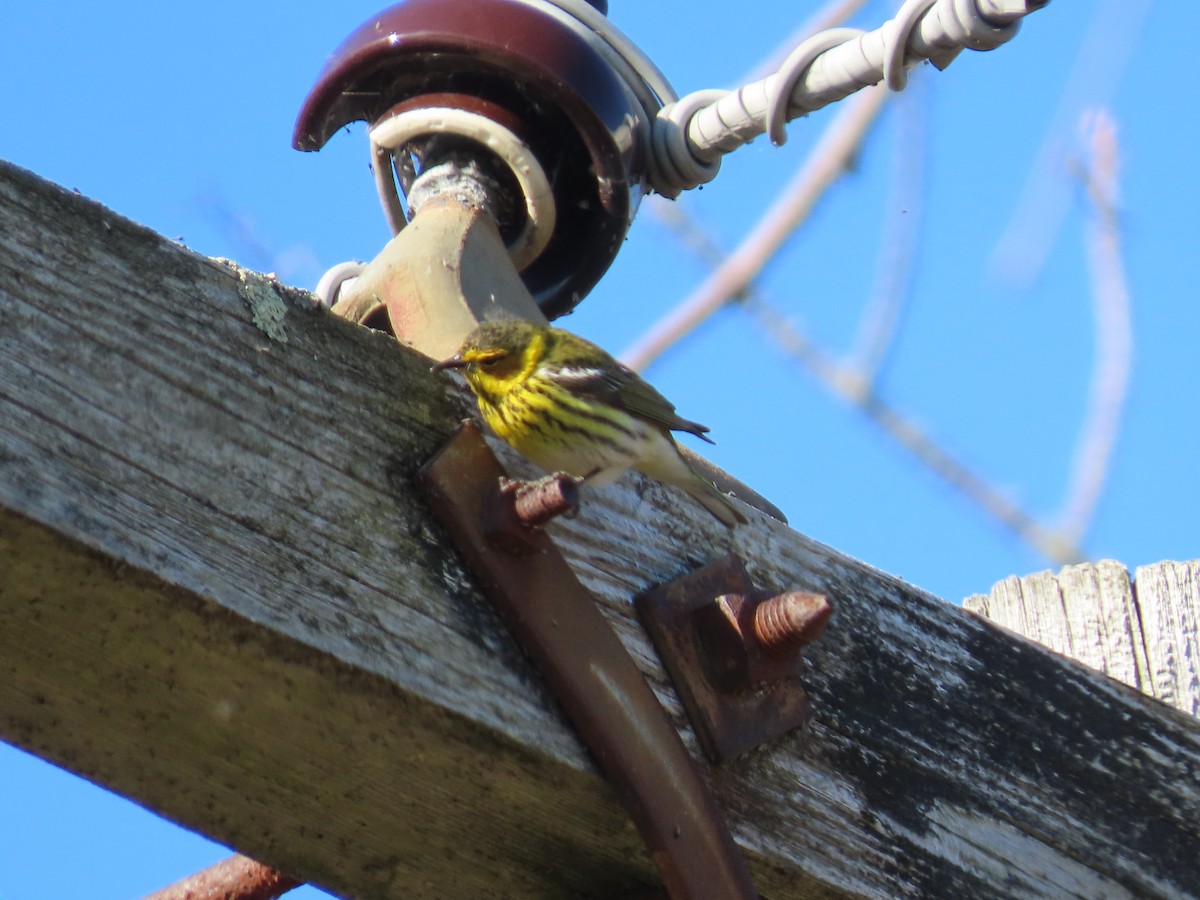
x=568, y=406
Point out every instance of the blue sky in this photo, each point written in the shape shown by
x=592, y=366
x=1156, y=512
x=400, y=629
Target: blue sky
x=179, y=116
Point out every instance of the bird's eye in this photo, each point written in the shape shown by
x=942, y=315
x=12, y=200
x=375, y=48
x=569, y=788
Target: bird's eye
x=490, y=362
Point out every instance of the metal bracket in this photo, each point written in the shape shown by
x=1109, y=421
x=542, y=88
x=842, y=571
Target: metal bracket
x=587, y=667
x=733, y=653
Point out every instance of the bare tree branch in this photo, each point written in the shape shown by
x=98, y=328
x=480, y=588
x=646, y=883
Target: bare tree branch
x=902, y=211
x=824, y=166
x=1114, y=330
x=850, y=385
x=854, y=381
x=1114, y=28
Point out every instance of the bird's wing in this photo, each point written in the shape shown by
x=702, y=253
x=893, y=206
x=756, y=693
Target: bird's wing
x=625, y=389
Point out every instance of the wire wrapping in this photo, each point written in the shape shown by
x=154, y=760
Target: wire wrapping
x=826, y=67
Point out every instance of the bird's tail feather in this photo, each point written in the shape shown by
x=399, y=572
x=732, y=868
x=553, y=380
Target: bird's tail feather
x=669, y=465
x=715, y=502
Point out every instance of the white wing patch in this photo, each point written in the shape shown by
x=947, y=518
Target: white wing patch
x=585, y=379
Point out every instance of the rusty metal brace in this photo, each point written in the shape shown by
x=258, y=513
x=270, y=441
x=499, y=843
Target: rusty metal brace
x=603, y=693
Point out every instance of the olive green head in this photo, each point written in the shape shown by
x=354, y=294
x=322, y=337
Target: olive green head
x=498, y=356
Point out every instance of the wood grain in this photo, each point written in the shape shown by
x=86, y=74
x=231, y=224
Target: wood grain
x=1141, y=631
x=1168, y=596
x=221, y=596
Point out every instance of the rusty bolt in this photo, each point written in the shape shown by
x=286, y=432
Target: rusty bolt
x=790, y=621
x=520, y=509
x=235, y=878
x=755, y=638
x=537, y=502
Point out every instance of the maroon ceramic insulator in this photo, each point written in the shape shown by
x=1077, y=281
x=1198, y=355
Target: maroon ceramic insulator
x=557, y=92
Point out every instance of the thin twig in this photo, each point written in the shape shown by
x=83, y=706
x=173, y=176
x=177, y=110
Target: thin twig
x=848, y=383
x=881, y=315
x=825, y=165
x=1113, y=31
x=853, y=386
x=1114, y=330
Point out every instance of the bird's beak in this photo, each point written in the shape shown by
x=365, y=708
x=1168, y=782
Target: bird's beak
x=454, y=362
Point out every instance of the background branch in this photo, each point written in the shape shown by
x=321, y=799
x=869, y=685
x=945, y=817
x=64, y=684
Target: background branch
x=854, y=380
x=856, y=387
x=851, y=385
x=826, y=163
x=903, y=205
x=1112, y=319
x=1113, y=34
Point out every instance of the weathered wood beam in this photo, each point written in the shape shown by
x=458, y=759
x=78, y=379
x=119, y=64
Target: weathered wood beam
x=1141, y=630
x=221, y=596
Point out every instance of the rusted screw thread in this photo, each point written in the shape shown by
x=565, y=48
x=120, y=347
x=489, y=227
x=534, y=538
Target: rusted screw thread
x=235, y=878
x=538, y=502
x=790, y=621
